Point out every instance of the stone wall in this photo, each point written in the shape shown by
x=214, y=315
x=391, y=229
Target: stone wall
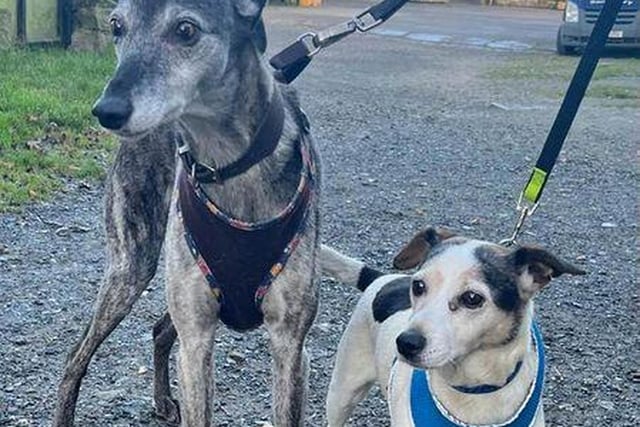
x=91, y=30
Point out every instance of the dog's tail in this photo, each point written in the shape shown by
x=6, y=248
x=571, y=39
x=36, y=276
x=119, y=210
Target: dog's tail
x=347, y=270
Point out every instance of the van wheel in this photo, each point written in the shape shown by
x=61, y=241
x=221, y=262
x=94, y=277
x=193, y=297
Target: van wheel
x=562, y=48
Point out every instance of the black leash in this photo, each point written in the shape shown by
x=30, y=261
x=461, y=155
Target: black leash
x=289, y=63
x=530, y=196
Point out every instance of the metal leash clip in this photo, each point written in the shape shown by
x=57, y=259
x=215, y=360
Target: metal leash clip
x=525, y=210
x=290, y=62
x=331, y=35
x=315, y=42
x=309, y=40
x=366, y=22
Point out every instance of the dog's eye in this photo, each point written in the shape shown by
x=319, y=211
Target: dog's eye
x=471, y=300
x=418, y=287
x=187, y=32
x=117, y=27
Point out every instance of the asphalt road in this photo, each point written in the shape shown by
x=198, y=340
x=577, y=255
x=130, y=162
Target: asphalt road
x=457, y=23
x=411, y=133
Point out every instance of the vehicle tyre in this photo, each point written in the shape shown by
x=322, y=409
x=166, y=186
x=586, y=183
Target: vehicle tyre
x=562, y=48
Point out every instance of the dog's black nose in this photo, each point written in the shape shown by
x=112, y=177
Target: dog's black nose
x=113, y=113
x=410, y=343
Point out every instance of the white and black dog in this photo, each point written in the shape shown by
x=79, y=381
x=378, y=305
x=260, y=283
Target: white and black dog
x=454, y=344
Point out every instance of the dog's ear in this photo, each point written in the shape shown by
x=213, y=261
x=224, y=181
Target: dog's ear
x=415, y=252
x=260, y=36
x=536, y=267
x=250, y=10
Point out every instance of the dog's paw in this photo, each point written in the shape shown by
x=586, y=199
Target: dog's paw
x=168, y=410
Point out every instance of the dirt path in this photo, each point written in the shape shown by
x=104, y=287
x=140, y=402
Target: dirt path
x=409, y=137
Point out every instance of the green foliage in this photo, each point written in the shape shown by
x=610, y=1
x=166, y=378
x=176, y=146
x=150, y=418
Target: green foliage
x=47, y=133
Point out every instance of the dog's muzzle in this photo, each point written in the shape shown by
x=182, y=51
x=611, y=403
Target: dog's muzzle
x=113, y=113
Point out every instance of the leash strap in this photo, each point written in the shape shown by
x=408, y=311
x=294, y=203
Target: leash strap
x=290, y=62
x=571, y=102
x=564, y=119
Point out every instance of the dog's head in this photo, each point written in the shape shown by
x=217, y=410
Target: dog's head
x=170, y=54
x=468, y=294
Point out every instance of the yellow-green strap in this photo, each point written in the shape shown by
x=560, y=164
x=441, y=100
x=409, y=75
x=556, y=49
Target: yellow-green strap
x=534, y=187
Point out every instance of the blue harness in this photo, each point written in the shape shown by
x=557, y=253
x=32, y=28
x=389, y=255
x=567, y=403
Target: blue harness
x=427, y=412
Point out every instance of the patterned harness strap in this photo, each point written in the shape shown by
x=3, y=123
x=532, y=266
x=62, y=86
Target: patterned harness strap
x=240, y=258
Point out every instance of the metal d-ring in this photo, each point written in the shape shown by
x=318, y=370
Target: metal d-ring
x=309, y=41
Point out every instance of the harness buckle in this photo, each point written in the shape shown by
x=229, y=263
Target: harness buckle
x=198, y=169
x=366, y=21
x=309, y=42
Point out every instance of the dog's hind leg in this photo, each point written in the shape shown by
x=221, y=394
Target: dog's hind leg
x=354, y=372
x=164, y=335
x=137, y=202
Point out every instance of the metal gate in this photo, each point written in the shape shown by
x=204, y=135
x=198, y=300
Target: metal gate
x=37, y=21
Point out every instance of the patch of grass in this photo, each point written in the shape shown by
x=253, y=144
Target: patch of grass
x=614, y=79
x=612, y=91
x=617, y=68
x=46, y=129
x=535, y=67
x=561, y=68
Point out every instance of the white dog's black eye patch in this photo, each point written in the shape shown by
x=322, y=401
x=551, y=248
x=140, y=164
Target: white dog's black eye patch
x=392, y=298
x=500, y=277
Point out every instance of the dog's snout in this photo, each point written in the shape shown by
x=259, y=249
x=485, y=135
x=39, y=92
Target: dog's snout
x=113, y=113
x=410, y=343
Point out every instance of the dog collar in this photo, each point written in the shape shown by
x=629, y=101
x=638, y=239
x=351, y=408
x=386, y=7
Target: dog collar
x=263, y=145
x=488, y=388
x=426, y=410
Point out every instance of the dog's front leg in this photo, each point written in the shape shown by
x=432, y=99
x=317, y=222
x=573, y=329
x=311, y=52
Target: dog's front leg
x=194, y=311
x=137, y=201
x=290, y=308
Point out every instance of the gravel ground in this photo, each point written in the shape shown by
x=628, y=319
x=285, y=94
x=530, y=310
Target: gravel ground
x=408, y=137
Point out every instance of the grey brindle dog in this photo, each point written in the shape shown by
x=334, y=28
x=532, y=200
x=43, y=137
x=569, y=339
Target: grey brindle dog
x=192, y=71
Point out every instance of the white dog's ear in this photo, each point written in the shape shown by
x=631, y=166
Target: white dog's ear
x=249, y=9
x=536, y=267
x=415, y=252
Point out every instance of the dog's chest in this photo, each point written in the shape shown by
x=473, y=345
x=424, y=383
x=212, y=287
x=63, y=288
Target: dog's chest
x=241, y=260
x=412, y=402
